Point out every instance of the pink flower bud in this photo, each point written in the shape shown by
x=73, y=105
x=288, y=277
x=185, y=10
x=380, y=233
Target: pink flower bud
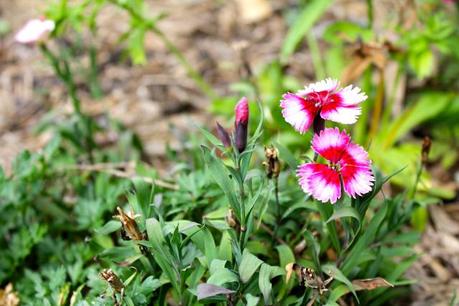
x=34, y=30
x=242, y=111
x=223, y=135
x=241, y=124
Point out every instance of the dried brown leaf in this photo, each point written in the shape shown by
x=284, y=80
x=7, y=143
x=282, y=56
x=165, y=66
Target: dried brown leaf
x=8, y=297
x=289, y=269
x=254, y=10
x=370, y=283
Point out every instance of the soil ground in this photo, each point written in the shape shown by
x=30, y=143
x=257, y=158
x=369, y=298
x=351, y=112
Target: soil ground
x=160, y=103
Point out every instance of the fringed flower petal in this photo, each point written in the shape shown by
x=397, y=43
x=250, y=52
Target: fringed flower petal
x=340, y=113
x=356, y=171
x=327, y=85
x=320, y=181
x=298, y=112
x=330, y=143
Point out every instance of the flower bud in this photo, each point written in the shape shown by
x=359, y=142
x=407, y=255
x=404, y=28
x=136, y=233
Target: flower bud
x=426, y=144
x=272, y=163
x=113, y=279
x=223, y=135
x=241, y=124
x=231, y=220
x=130, y=228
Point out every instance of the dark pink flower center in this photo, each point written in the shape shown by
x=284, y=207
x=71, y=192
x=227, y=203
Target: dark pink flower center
x=335, y=166
x=318, y=98
x=323, y=100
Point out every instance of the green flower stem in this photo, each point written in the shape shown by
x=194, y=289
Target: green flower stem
x=64, y=72
x=278, y=208
x=326, y=211
x=416, y=181
x=242, y=232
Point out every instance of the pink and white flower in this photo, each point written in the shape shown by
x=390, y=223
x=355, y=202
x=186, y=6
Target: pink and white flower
x=34, y=30
x=324, y=98
x=348, y=166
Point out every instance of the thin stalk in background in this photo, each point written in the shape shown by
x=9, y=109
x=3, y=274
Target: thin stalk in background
x=326, y=211
x=150, y=24
x=426, y=144
x=63, y=71
x=94, y=84
x=393, y=96
x=377, y=107
x=315, y=55
x=370, y=13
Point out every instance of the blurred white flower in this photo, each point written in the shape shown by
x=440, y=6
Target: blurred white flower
x=34, y=30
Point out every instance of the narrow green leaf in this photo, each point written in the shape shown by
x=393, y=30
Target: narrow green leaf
x=336, y=293
x=364, y=241
x=154, y=232
x=219, y=274
x=109, y=227
x=286, y=255
x=313, y=248
x=211, y=138
x=287, y=156
x=343, y=212
x=267, y=272
x=249, y=265
x=336, y=273
x=251, y=300
x=427, y=107
x=304, y=22
x=221, y=176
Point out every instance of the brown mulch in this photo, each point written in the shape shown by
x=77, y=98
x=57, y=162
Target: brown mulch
x=150, y=99
x=437, y=271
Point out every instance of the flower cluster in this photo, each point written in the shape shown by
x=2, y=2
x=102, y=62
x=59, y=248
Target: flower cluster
x=348, y=166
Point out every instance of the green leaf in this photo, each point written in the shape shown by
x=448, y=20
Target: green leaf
x=301, y=205
x=267, y=272
x=249, y=265
x=364, y=241
x=342, y=212
x=221, y=176
x=286, y=255
x=251, y=300
x=211, y=138
x=109, y=227
x=336, y=293
x=336, y=273
x=162, y=255
x=224, y=250
x=313, y=248
x=427, y=107
x=154, y=232
x=287, y=156
x=304, y=22
x=136, y=45
x=219, y=274
x=326, y=211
